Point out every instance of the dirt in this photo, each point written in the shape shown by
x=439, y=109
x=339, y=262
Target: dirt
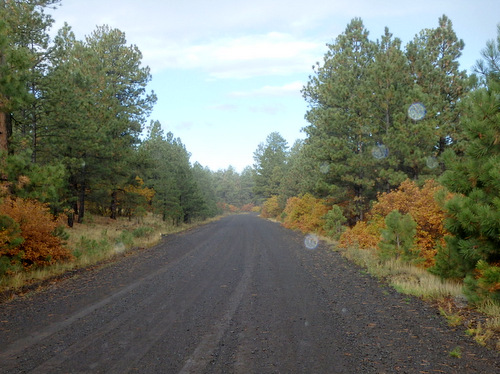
x=240, y=295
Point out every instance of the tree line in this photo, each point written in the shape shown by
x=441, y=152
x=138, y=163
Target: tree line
x=390, y=130
x=73, y=127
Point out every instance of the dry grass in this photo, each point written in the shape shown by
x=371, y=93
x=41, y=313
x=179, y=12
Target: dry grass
x=404, y=277
x=96, y=240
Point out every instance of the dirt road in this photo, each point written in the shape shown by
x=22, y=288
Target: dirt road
x=241, y=295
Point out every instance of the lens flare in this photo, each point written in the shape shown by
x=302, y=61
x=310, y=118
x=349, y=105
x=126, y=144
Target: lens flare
x=324, y=168
x=417, y=111
x=380, y=151
x=311, y=241
x=432, y=162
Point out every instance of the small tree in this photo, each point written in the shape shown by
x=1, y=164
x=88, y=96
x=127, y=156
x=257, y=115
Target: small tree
x=398, y=239
x=334, y=222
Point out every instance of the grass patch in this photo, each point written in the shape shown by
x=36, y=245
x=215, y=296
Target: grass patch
x=456, y=352
x=405, y=278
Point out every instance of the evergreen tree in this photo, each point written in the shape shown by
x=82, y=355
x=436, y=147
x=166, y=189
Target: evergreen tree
x=440, y=85
x=177, y=195
x=97, y=102
x=301, y=173
x=205, y=182
x=474, y=212
x=398, y=238
x=339, y=131
x=31, y=26
x=270, y=160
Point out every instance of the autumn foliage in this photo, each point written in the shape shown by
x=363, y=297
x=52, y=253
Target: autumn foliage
x=37, y=226
x=271, y=208
x=362, y=235
x=408, y=198
x=423, y=207
x=305, y=213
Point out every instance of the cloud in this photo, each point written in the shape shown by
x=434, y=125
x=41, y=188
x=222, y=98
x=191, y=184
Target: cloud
x=240, y=57
x=285, y=90
x=229, y=39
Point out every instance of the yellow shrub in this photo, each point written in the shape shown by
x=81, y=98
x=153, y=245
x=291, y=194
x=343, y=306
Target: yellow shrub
x=305, y=213
x=271, y=208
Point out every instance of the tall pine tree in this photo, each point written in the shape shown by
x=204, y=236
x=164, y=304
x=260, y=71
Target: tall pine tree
x=340, y=130
x=474, y=212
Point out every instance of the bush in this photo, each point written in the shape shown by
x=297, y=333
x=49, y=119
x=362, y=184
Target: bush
x=91, y=247
x=305, y=213
x=40, y=245
x=271, y=208
x=334, y=222
x=248, y=207
x=10, y=235
x=143, y=231
x=364, y=235
x=398, y=238
x=484, y=284
x=422, y=205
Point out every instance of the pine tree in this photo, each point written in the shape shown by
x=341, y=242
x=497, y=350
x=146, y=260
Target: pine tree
x=398, y=238
x=440, y=85
x=474, y=212
x=340, y=131
x=270, y=160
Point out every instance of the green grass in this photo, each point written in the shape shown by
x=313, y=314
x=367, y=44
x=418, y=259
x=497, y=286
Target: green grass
x=456, y=352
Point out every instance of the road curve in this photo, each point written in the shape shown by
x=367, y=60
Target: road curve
x=240, y=295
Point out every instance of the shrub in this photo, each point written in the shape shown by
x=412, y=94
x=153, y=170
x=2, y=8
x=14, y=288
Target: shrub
x=334, y=222
x=91, y=247
x=40, y=245
x=398, y=238
x=484, y=284
x=422, y=205
x=305, y=213
x=271, y=208
x=364, y=235
x=142, y=231
x=10, y=235
x=248, y=207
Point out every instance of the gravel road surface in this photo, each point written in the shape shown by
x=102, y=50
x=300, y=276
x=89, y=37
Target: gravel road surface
x=240, y=295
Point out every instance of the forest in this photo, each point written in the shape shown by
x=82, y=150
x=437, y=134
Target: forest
x=401, y=155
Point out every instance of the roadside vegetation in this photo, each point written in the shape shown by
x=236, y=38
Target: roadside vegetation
x=400, y=167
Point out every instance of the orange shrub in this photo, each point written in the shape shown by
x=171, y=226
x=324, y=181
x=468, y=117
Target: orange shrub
x=305, y=213
x=363, y=235
x=421, y=204
x=271, y=208
x=40, y=246
x=247, y=207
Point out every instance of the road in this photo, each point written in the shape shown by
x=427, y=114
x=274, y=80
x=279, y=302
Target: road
x=240, y=295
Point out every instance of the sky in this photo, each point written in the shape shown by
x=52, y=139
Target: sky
x=227, y=73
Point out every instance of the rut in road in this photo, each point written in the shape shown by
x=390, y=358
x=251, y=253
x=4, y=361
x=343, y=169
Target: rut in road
x=240, y=295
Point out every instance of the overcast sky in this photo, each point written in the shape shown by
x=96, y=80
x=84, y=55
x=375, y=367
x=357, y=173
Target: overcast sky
x=228, y=73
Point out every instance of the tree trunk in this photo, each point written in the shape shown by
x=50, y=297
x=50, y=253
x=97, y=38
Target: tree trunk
x=114, y=204
x=81, y=201
x=5, y=131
